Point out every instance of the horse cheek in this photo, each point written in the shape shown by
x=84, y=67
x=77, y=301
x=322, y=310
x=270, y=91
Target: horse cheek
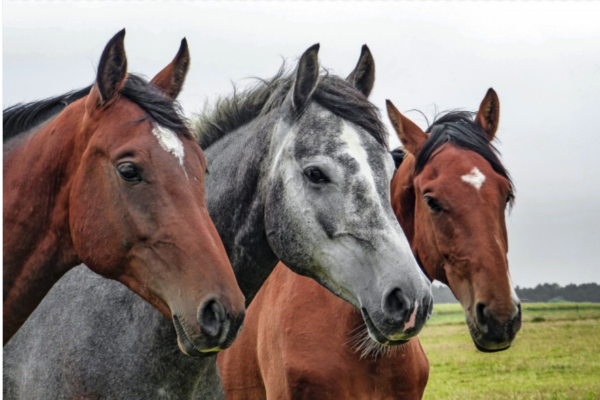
x=94, y=222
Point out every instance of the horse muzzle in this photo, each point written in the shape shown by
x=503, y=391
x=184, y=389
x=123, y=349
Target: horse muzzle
x=489, y=334
x=399, y=320
x=218, y=329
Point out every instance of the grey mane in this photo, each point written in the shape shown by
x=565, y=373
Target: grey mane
x=333, y=93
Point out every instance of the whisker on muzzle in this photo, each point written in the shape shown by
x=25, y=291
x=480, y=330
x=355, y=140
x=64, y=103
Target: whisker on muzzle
x=368, y=348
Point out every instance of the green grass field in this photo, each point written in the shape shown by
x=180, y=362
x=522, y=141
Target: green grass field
x=556, y=355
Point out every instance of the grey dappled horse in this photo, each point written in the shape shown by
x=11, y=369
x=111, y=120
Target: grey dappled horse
x=298, y=171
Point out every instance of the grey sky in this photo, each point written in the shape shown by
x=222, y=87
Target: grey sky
x=543, y=59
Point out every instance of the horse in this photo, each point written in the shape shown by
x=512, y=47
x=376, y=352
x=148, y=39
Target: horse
x=449, y=193
x=111, y=176
x=299, y=171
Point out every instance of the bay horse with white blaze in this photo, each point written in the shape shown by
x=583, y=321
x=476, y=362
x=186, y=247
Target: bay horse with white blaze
x=116, y=180
x=449, y=194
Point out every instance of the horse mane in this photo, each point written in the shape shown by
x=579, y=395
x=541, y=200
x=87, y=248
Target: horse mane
x=165, y=111
x=332, y=92
x=21, y=118
x=459, y=128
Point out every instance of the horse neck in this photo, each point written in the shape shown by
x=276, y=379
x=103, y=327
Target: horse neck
x=238, y=166
x=403, y=203
x=37, y=244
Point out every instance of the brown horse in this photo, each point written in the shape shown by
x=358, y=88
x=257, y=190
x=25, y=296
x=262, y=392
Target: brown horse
x=449, y=194
x=115, y=180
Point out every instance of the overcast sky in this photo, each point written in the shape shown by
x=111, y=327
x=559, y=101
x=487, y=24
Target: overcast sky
x=543, y=59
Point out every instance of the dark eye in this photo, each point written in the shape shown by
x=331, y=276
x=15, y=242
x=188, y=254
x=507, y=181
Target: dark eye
x=315, y=175
x=433, y=204
x=509, y=198
x=129, y=172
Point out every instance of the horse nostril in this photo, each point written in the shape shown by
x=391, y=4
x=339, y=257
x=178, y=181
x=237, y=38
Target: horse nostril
x=482, y=319
x=395, y=305
x=211, y=317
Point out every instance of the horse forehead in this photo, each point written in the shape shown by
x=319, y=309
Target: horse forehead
x=325, y=134
x=353, y=144
x=122, y=121
x=455, y=165
x=474, y=178
x=375, y=165
x=170, y=142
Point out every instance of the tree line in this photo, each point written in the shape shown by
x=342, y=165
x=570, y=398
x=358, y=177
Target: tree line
x=542, y=293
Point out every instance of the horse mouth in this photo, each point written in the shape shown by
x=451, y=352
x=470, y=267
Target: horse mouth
x=490, y=350
x=489, y=347
x=376, y=334
x=186, y=345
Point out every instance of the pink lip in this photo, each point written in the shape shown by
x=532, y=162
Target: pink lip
x=411, y=320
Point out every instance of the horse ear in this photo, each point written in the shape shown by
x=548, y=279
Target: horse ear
x=489, y=114
x=170, y=80
x=411, y=136
x=112, y=69
x=307, y=77
x=363, y=76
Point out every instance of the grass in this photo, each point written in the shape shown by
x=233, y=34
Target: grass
x=556, y=355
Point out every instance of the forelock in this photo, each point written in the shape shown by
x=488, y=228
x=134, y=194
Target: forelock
x=459, y=129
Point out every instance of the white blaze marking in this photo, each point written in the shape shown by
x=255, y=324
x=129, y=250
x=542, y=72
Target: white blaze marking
x=169, y=141
x=475, y=178
x=356, y=149
x=358, y=152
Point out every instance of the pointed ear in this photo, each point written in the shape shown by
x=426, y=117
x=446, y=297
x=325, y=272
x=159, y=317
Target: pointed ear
x=489, y=114
x=307, y=77
x=363, y=76
x=170, y=80
x=112, y=69
x=411, y=136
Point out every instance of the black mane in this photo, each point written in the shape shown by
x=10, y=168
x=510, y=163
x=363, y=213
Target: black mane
x=333, y=93
x=459, y=129
x=21, y=118
x=161, y=108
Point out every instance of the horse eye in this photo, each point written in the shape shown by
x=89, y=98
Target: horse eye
x=129, y=172
x=315, y=175
x=433, y=204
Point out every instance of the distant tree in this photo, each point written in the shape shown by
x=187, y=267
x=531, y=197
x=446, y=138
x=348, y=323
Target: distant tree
x=542, y=293
x=557, y=300
x=586, y=292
